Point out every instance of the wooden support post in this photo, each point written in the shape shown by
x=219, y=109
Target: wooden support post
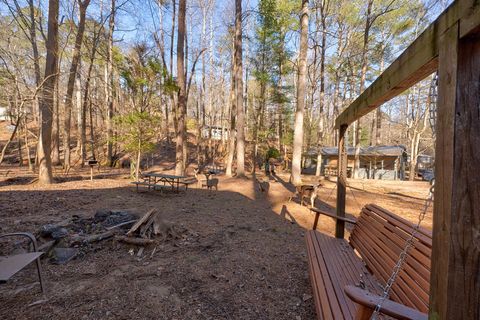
x=455, y=275
x=341, y=182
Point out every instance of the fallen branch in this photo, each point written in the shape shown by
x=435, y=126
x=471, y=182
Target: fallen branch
x=135, y=241
x=121, y=224
x=94, y=238
x=141, y=221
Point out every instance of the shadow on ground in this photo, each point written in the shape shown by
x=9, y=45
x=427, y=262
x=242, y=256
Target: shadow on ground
x=244, y=262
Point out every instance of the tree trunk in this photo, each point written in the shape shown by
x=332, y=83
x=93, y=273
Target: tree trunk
x=83, y=127
x=139, y=157
x=199, y=133
x=27, y=146
x=86, y=100
x=172, y=97
x=12, y=136
x=172, y=35
x=56, y=137
x=203, y=90
x=323, y=50
x=72, y=76
x=46, y=100
x=233, y=111
x=33, y=40
x=363, y=76
x=182, y=103
x=109, y=85
x=414, y=144
x=302, y=73
x=78, y=104
x=36, y=56
x=92, y=132
x=210, y=92
x=378, y=120
x=239, y=90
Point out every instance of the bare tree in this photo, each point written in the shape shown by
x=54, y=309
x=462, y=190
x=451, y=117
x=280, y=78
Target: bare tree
x=71, y=80
x=371, y=16
x=239, y=90
x=46, y=98
x=233, y=111
x=180, y=155
x=302, y=75
x=417, y=105
x=109, y=84
x=323, y=7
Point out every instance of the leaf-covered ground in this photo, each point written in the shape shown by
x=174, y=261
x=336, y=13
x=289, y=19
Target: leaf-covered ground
x=244, y=256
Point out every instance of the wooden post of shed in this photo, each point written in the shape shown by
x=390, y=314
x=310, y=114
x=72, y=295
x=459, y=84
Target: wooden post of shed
x=341, y=182
x=455, y=275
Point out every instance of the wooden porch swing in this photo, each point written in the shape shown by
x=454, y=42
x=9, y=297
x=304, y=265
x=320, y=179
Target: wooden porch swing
x=436, y=274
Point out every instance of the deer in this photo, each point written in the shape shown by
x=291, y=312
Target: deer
x=306, y=191
x=263, y=185
x=211, y=183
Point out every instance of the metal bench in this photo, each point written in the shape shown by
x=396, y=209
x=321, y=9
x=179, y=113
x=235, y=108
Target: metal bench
x=10, y=265
x=347, y=285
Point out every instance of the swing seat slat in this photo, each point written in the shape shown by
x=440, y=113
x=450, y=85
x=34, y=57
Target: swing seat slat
x=338, y=268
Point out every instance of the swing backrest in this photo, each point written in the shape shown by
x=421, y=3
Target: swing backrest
x=379, y=237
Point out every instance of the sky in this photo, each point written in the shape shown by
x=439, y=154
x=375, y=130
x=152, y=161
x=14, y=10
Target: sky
x=137, y=20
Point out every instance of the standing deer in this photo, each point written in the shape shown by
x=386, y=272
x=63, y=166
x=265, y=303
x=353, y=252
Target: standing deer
x=306, y=191
x=211, y=183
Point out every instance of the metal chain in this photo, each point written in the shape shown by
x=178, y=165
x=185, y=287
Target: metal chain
x=403, y=255
x=331, y=192
x=355, y=198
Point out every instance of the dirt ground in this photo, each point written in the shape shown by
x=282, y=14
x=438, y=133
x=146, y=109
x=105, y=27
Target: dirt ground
x=244, y=256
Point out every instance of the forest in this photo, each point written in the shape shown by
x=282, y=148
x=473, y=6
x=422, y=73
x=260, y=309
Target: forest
x=109, y=80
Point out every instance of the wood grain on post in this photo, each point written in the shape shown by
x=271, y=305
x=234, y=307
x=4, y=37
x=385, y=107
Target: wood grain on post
x=341, y=182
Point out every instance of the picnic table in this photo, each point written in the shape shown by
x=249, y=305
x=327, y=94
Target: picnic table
x=156, y=180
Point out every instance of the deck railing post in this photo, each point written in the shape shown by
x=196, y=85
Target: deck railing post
x=341, y=182
x=455, y=281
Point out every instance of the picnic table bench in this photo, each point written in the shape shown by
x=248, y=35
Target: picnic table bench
x=346, y=286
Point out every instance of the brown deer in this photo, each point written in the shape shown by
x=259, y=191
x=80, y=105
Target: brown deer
x=263, y=185
x=306, y=191
x=211, y=183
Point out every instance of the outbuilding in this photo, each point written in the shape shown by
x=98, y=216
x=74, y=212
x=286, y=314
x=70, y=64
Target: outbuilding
x=376, y=162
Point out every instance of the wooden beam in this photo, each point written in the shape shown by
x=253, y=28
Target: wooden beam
x=341, y=183
x=455, y=276
x=418, y=61
x=470, y=21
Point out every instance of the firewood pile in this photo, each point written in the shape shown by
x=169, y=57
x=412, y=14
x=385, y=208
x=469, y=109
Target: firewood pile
x=77, y=236
x=144, y=230
x=152, y=228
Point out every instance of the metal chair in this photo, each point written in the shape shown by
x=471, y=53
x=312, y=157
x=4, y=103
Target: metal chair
x=10, y=265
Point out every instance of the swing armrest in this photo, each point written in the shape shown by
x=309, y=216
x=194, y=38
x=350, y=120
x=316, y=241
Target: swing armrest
x=318, y=212
x=390, y=308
